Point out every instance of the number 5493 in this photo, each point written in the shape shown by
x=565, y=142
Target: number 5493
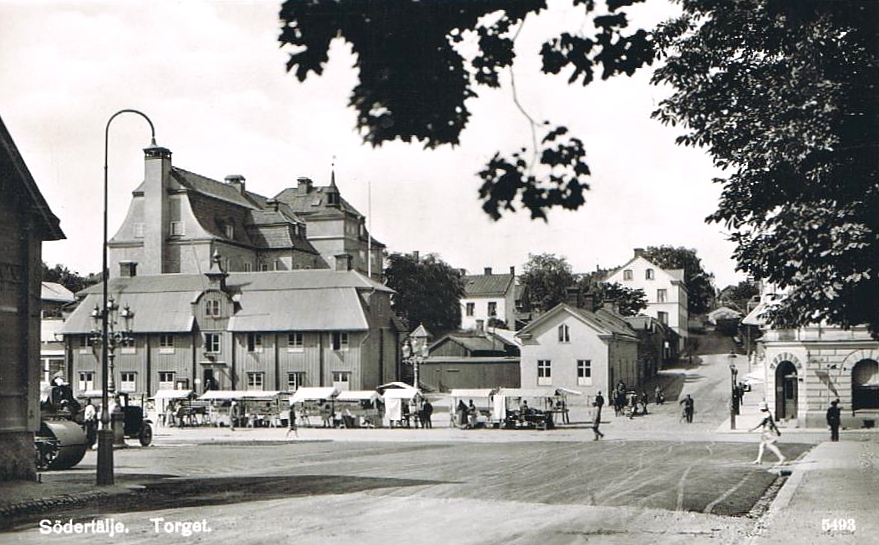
x=838, y=525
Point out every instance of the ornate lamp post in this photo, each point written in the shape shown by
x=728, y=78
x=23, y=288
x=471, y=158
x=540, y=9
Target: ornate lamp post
x=415, y=351
x=734, y=400
x=115, y=338
x=105, y=434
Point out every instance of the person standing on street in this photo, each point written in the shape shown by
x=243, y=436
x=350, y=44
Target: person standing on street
x=426, y=411
x=769, y=434
x=291, y=422
x=833, y=420
x=90, y=420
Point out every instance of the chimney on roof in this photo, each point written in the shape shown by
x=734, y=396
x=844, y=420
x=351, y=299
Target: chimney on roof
x=611, y=305
x=639, y=252
x=156, y=220
x=236, y=181
x=128, y=269
x=416, y=257
x=304, y=187
x=513, y=270
x=487, y=271
x=343, y=262
x=273, y=204
x=574, y=297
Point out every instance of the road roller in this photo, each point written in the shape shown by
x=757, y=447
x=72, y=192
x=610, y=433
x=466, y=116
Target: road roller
x=61, y=441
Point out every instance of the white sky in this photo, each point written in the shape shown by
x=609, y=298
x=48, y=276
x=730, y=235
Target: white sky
x=211, y=77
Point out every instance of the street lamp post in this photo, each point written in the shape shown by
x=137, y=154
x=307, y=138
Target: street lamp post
x=734, y=390
x=115, y=338
x=105, y=475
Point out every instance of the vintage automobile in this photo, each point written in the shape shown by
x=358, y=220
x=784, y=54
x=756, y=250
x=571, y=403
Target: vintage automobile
x=135, y=425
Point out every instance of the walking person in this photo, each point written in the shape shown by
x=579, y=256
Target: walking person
x=833, y=419
x=689, y=408
x=234, y=414
x=596, y=417
x=657, y=396
x=769, y=434
x=291, y=422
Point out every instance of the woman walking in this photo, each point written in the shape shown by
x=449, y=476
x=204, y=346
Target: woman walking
x=769, y=434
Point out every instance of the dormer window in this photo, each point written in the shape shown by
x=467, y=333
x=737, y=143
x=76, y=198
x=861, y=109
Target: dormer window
x=230, y=230
x=332, y=198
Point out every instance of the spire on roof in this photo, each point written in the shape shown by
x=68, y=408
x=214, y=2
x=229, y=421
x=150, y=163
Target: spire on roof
x=332, y=191
x=216, y=275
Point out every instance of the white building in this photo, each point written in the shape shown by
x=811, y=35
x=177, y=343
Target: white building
x=665, y=290
x=489, y=296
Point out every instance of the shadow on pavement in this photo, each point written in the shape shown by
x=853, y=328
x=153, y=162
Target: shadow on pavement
x=177, y=493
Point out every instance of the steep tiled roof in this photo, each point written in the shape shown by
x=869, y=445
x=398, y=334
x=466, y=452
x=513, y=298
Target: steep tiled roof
x=322, y=299
x=487, y=284
x=312, y=202
x=212, y=188
x=53, y=291
x=604, y=321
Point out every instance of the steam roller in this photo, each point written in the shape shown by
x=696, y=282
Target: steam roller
x=60, y=444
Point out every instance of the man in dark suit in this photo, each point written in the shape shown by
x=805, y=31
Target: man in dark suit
x=833, y=420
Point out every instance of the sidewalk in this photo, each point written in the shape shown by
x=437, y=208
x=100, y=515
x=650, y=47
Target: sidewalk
x=829, y=498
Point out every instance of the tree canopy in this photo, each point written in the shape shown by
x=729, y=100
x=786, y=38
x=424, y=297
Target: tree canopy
x=429, y=291
x=546, y=278
x=699, y=282
x=782, y=94
x=69, y=279
x=415, y=78
x=740, y=294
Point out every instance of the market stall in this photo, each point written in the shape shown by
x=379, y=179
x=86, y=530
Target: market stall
x=402, y=406
x=460, y=413
x=315, y=405
x=360, y=408
x=257, y=408
x=531, y=408
x=561, y=409
x=164, y=403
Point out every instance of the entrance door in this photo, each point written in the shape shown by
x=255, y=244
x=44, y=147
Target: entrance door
x=786, y=391
x=208, y=380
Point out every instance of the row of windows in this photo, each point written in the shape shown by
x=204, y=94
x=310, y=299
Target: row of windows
x=649, y=274
x=544, y=372
x=167, y=380
x=295, y=341
x=178, y=229
x=470, y=309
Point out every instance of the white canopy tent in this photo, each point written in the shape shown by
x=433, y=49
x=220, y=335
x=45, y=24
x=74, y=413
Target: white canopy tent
x=314, y=393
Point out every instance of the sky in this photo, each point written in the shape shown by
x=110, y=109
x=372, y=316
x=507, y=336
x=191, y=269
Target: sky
x=211, y=77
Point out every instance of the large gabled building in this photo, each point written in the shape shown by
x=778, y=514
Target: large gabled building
x=335, y=227
x=242, y=331
x=489, y=297
x=178, y=219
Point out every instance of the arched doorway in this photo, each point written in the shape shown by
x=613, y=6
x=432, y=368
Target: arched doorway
x=865, y=385
x=786, y=391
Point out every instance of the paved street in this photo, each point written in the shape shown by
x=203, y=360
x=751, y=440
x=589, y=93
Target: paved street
x=653, y=480
x=552, y=490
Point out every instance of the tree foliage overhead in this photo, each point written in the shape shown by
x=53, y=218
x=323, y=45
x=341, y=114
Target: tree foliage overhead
x=782, y=93
x=429, y=291
x=628, y=301
x=414, y=80
x=699, y=283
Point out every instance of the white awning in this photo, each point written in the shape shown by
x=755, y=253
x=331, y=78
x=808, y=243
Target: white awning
x=471, y=392
x=526, y=393
x=401, y=393
x=358, y=395
x=173, y=394
x=239, y=394
x=313, y=394
x=563, y=391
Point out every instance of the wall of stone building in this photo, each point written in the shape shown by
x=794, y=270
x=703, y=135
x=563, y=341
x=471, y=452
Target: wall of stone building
x=17, y=456
x=20, y=265
x=824, y=374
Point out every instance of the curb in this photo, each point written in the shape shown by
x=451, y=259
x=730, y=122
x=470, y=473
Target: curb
x=45, y=504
